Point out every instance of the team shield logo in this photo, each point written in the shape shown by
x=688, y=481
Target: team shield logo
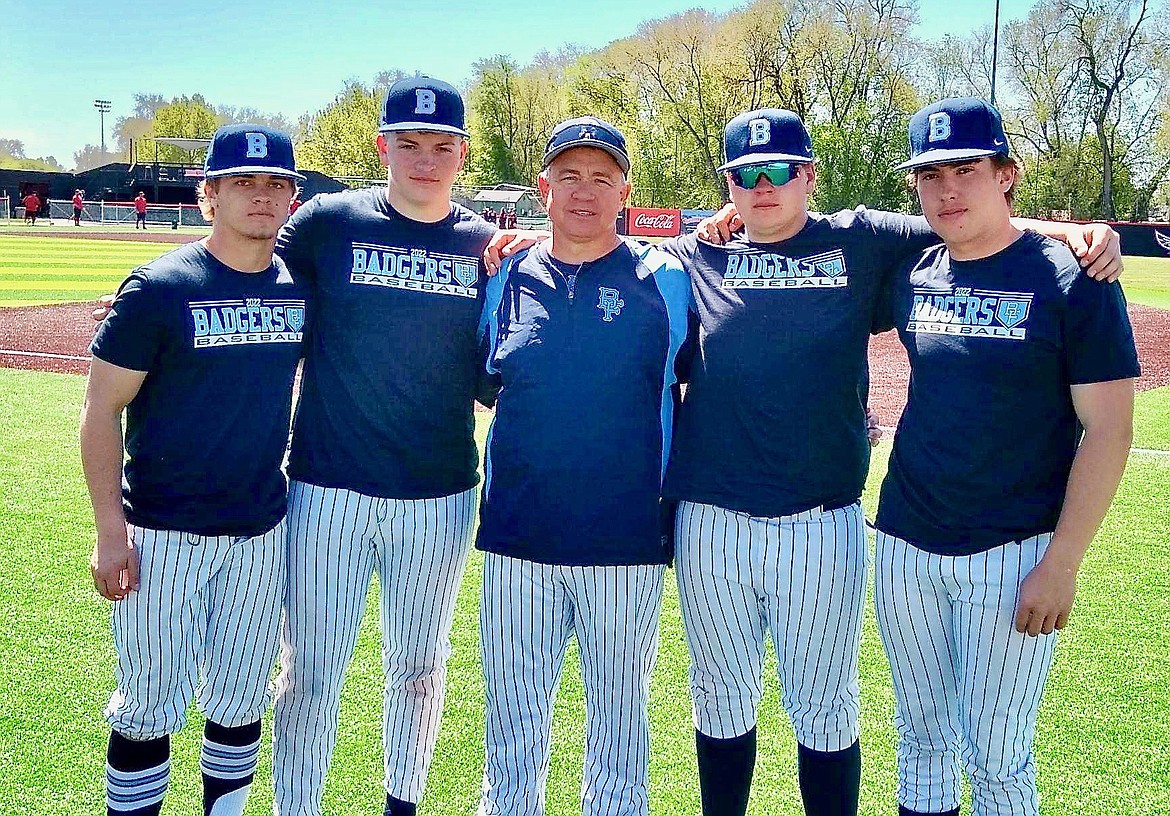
x=466, y=273
x=1011, y=312
x=295, y=317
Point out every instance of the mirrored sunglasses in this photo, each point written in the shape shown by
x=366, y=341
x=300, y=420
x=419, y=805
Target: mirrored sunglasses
x=779, y=173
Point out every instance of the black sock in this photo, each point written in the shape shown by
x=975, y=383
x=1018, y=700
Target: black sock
x=137, y=773
x=725, y=772
x=905, y=811
x=829, y=780
x=397, y=807
x=228, y=763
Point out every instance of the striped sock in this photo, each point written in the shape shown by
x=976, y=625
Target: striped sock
x=228, y=762
x=137, y=773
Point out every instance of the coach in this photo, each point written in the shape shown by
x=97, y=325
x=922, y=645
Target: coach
x=584, y=334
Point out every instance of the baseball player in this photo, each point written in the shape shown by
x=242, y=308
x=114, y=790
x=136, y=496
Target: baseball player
x=199, y=349
x=770, y=456
x=383, y=462
x=140, y=210
x=990, y=502
x=584, y=336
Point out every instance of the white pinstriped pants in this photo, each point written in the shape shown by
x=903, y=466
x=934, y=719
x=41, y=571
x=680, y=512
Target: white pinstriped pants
x=337, y=538
x=203, y=623
x=967, y=684
x=528, y=614
x=801, y=577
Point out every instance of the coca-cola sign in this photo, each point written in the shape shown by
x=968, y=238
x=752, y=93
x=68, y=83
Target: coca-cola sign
x=646, y=221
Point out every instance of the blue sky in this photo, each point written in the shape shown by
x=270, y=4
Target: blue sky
x=291, y=57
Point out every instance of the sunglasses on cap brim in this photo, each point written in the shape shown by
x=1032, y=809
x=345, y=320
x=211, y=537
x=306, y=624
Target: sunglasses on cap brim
x=779, y=173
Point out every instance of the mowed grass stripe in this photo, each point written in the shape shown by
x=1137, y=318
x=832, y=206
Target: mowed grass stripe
x=41, y=271
x=52, y=285
x=59, y=271
x=29, y=258
x=34, y=244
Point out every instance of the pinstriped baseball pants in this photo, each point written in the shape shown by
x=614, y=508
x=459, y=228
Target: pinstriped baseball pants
x=203, y=623
x=967, y=684
x=337, y=538
x=528, y=614
x=800, y=577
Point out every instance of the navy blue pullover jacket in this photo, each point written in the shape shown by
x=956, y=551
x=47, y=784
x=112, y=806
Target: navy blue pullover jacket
x=584, y=356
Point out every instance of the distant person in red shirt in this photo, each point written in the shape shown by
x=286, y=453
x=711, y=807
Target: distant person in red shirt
x=32, y=208
x=140, y=210
x=78, y=206
x=295, y=204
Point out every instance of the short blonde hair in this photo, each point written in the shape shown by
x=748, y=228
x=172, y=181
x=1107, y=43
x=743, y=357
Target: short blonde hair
x=205, y=206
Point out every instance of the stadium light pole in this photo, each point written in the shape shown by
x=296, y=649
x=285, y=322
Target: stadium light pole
x=104, y=106
x=994, y=50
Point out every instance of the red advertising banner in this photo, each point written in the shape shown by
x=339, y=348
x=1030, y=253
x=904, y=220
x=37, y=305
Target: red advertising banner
x=647, y=221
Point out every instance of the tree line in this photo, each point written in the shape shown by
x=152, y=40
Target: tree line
x=1083, y=85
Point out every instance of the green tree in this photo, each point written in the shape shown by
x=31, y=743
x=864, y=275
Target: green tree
x=338, y=140
x=12, y=157
x=188, y=117
x=511, y=112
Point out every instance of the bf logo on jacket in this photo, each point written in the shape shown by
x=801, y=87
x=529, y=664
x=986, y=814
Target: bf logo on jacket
x=610, y=302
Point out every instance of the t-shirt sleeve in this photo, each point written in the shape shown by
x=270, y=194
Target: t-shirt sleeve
x=295, y=244
x=683, y=247
x=898, y=238
x=134, y=332
x=1098, y=338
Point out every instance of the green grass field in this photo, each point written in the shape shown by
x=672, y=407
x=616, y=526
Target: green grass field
x=38, y=270
x=1101, y=741
x=1147, y=281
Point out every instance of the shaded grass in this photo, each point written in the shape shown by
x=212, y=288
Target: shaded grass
x=1104, y=725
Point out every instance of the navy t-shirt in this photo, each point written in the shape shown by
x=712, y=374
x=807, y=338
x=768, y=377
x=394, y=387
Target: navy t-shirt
x=984, y=448
x=207, y=431
x=391, y=355
x=584, y=355
x=773, y=421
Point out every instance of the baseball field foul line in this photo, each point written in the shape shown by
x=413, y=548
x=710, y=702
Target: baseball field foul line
x=14, y=353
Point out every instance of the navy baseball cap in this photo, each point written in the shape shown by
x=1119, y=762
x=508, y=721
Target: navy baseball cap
x=421, y=103
x=954, y=130
x=766, y=135
x=238, y=150
x=587, y=131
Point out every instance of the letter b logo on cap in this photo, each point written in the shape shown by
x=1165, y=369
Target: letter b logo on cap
x=257, y=145
x=424, y=101
x=940, y=127
x=759, y=132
